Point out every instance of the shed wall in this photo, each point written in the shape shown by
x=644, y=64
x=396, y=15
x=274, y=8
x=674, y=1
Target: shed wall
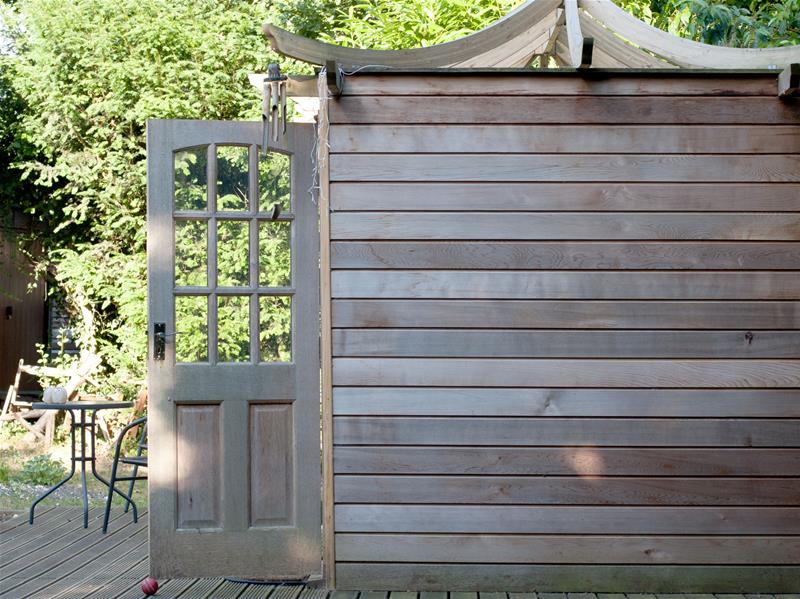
x=565, y=333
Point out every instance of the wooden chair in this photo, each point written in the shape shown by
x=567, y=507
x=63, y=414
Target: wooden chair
x=137, y=461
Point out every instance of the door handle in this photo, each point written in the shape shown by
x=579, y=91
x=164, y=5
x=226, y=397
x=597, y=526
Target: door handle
x=160, y=339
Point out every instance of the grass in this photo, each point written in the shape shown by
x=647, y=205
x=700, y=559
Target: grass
x=27, y=468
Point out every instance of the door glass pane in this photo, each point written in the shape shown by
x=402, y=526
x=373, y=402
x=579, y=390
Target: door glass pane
x=274, y=181
x=232, y=178
x=233, y=328
x=190, y=179
x=191, y=325
x=190, y=253
x=274, y=254
x=275, y=328
x=233, y=245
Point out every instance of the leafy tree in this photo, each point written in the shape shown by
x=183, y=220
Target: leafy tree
x=387, y=24
x=80, y=78
x=737, y=23
x=88, y=74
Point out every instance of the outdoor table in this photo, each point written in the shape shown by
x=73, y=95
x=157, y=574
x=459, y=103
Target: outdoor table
x=82, y=407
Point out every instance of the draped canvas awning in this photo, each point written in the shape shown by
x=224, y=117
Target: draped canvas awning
x=574, y=33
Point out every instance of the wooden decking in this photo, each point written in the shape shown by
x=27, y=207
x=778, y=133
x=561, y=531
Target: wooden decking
x=57, y=558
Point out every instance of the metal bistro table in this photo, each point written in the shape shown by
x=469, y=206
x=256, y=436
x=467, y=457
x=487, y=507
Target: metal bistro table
x=82, y=407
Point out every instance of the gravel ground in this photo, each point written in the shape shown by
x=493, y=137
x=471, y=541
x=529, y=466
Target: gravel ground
x=17, y=495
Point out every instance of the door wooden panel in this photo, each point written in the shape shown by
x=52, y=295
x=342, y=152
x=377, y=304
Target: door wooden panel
x=271, y=465
x=234, y=393
x=198, y=456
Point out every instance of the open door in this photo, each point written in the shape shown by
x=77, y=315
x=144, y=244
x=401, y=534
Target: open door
x=233, y=366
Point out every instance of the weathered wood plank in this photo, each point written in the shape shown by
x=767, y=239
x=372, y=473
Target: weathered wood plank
x=567, y=110
x=655, y=139
x=35, y=559
x=518, y=519
x=47, y=572
x=420, y=84
x=564, y=344
x=557, y=255
x=592, y=285
x=646, y=403
x=566, y=461
x=564, y=195
x=564, y=226
x=566, y=314
x=560, y=549
x=473, y=372
x=708, y=168
x=566, y=578
x=572, y=490
x=591, y=432
x=259, y=591
x=54, y=540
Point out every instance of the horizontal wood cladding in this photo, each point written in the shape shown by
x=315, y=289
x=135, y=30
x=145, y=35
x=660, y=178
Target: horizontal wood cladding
x=674, y=168
x=482, y=196
x=586, y=520
x=623, y=110
x=479, y=85
x=572, y=344
x=556, y=549
x=565, y=461
x=501, y=372
x=564, y=226
x=590, y=432
x=587, y=314
x=531, y=401
x=568, y=490
x=607, y=139
x=590, y=285
x=566, y=578
x=566, y=333
x=564, y=255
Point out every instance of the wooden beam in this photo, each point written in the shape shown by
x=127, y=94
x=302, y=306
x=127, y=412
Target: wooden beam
x=575, y=39
x=615, y=46
x=789, y=81
x=334, y=78
x=516, y=23
x=683, y=52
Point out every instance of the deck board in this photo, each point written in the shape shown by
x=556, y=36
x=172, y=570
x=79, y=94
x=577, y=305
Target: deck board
x=57, y=558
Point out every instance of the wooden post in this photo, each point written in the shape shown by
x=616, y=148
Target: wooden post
x=586, y=53
x=789, y=81
x=335, y=79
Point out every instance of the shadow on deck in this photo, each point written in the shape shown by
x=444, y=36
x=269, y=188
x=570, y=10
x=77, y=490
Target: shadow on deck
x=57, y=558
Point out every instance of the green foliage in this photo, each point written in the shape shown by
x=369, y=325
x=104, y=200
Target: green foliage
x=391, y=24
x=42, y=470
x=738, y=23
x=88, y=74
x=5, y=473
x=81, y=77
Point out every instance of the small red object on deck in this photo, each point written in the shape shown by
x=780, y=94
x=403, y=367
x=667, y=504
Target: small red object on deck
x=149, y=586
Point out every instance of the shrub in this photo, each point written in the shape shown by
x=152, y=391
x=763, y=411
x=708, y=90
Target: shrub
x=42, y=470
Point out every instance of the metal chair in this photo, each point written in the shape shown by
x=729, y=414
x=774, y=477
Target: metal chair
x=137, y=461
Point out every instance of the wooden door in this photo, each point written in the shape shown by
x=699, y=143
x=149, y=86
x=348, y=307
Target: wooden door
x=233, y=369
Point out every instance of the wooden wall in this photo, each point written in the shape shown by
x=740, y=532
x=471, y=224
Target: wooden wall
x=565, y=333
